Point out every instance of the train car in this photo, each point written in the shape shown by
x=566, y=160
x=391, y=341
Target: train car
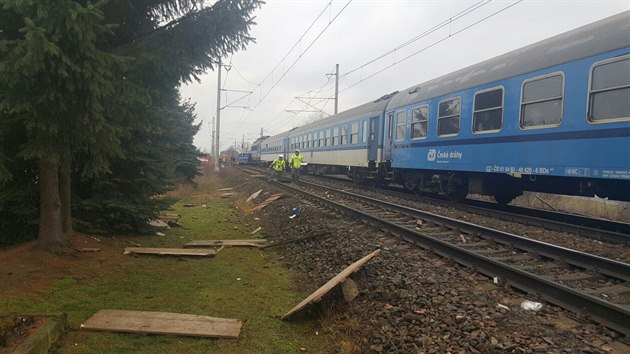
x=244, y=158
x=551, y=117
x=256, y=149
x=273, y=146
x=348, y=142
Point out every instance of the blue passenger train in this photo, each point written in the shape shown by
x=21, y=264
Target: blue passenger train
x=550, y=117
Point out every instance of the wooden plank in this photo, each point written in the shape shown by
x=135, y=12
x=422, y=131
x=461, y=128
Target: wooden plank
x=268, y=201
x=324, y=289
x=254, y=195
x=163, y=323
x=171, y=251
x=233, y=243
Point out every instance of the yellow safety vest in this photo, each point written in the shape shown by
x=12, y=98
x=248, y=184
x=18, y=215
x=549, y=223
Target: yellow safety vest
x=296, y=160
x=278, y=164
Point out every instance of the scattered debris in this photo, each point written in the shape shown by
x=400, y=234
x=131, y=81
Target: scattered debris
x=157, y=223
x=292, y=216
x=169, y=216
x=95, y=238
x=255, y=231
x=160, y=234
x=501, y=306
x=233, y=243
x=253, y=196
x=323, y=290
x=528, y=305
x=267, y=201
x=163, y=323
x=226, y=195
x=463, y=238
x=133, y=243
x=171, y=251
x=225, y=189
x=296, y=211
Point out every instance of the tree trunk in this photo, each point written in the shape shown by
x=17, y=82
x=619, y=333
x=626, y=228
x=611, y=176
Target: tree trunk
x=65, y=192
x=50, y=234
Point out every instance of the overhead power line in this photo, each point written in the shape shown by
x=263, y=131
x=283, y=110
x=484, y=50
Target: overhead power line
x=300, y=56
x=432, y=45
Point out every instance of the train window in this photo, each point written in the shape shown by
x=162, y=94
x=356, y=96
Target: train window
x=419, y=122
x=328, y=134
x=488, y=112
x=354, y=133
x=609, y=96
x=344, y=135
x=335, y=136
x=321, y=138
x=365, y=132
x=448, y=117
x=401, y=125
x=541, y=101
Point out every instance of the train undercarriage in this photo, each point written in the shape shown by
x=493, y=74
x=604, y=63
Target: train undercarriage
x=504, y=188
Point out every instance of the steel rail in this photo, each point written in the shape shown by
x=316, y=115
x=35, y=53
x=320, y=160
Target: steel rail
x=598, y=229
x=611, y=315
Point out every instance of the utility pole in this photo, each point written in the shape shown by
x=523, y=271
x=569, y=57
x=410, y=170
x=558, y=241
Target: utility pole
x=336, y=87
x=243, y=143
x=218, y=150
x=213, y=146
x=261, y=132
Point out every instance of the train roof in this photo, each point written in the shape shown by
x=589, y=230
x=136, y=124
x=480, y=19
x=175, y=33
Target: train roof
x=259, y=140
x=373, y=108
x=598, y=37
x=282, y=135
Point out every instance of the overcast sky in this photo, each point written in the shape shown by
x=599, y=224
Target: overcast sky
x=357, y=34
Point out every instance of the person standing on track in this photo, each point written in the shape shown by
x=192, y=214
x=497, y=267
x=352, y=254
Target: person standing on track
x=278, y=165
x=296, y=162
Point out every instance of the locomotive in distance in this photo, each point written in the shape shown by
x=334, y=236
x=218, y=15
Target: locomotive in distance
x=550, y=117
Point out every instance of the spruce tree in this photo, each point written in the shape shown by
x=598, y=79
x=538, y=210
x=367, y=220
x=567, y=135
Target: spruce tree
x=63, y=63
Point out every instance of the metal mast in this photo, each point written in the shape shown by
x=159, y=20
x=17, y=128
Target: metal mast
x=217, y=149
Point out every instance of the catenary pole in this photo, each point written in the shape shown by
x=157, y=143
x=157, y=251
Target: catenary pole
x=217, y=149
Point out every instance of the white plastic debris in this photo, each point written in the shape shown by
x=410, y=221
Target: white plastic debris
x=501, y=306
x=495, y=280
x=528, y=305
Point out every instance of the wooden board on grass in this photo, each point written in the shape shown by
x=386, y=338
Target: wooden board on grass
x=232, y=243
x=324, y=289
x=171, y=251
x=163, y=323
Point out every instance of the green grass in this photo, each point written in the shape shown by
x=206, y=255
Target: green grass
x=204, y=286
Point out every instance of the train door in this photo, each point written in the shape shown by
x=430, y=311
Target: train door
x=372, y=142
x=388, y=138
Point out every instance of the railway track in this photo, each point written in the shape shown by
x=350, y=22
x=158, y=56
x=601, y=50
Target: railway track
x=574, y=280
x=595, y=228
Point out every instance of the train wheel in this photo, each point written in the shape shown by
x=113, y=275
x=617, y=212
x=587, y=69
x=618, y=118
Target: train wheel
x=457, y=188
x=410, y=183
x=504, y=197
